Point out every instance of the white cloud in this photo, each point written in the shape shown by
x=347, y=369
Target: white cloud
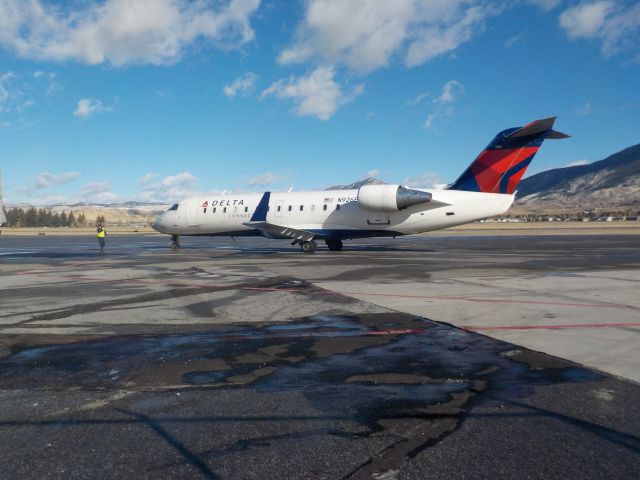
x=577, y=163
x=584, y=110
x=510, y=42
x=416, y=100
x=263, y=179
x=168, y=189
x=242, y=86
x=121, y=32
x=366, y=34
x=374, y=173
x=616, y=26
x=179, y=180
x=545, y=5
x=40, y=74
x=430, y=120
x=449, y=92
x=427, y=180
x=6, y=92
x=87, y=107
x=46, y=179
x=147, y=177
x=98, y=192
x=585, y=20
x=317, y=94
x=443, y=104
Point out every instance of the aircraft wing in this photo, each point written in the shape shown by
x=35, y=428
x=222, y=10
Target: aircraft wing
x=272, y=230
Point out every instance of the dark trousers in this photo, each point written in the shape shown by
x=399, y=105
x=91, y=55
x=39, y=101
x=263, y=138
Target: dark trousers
x=101, y=242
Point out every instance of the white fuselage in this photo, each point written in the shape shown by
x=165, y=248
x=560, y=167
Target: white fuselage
x=331, y=213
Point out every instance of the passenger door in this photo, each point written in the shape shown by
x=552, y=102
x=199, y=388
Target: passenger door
x=191, y=214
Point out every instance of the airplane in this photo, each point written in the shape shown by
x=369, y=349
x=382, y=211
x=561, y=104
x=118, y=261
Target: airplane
x=485, y=189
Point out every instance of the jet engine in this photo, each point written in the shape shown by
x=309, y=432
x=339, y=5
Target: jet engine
x=390, y=198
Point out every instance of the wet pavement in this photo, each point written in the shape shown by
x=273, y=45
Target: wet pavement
x=218, y=363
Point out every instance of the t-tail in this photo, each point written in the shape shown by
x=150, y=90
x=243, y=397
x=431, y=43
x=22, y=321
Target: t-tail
x=500, y=166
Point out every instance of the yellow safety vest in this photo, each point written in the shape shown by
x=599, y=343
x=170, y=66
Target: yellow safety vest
x=102, y=234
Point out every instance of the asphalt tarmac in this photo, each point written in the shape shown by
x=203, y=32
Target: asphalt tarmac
x=249, y=359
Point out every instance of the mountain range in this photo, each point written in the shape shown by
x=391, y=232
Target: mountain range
x=610, y=183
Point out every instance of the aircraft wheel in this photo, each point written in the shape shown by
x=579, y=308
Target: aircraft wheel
x=309, y=247
x=334, y=245
x=175, y=243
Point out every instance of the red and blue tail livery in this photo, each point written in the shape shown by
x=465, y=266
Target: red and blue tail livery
x=500, y=166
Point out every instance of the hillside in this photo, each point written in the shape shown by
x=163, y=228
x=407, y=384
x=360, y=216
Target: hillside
x=610, y=183
x=122, y=214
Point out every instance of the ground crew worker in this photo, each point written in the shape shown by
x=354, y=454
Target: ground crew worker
x=101, y=234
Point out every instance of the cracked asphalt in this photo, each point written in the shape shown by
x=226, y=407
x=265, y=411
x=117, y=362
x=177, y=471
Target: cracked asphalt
x=221, y=362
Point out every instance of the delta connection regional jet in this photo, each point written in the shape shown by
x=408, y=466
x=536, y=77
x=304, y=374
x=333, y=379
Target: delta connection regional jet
x=485, y=189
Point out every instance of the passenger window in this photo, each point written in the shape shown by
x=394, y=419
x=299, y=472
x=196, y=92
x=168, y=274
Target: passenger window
x=204, y=210
x=289, y=207
x=235, y=209
x=338, y=206
x=246, y=209
x=301, y=207
x=324, y=207
x=224, y=210
x=214, y=210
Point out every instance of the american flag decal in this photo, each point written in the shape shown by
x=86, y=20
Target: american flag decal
x=328, y=200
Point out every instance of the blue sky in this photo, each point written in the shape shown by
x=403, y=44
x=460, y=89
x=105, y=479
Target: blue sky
x=153, y=100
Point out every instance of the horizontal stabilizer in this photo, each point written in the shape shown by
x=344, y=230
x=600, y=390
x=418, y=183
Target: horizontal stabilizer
x=534, y=128
x=537, y=127
x=555, y=135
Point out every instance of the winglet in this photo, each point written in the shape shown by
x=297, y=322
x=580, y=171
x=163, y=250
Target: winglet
x=260, y=215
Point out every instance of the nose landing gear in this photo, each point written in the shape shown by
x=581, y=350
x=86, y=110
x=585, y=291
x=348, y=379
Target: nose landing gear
x=175, y=243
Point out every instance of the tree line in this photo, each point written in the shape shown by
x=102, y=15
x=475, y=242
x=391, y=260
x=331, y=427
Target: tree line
x=40, y=217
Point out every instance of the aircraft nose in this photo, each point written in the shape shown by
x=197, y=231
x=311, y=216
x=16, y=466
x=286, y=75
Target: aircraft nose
x=157, y=224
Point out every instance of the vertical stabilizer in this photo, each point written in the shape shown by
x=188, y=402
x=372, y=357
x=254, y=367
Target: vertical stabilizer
x=501, y=165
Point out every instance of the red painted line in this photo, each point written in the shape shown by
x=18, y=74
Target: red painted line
x=495, y=300
x=549, y=327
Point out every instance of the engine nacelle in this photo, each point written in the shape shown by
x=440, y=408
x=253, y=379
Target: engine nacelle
x=390, y=198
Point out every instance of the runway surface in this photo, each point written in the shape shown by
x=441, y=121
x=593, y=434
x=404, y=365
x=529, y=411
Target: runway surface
x=249, y=359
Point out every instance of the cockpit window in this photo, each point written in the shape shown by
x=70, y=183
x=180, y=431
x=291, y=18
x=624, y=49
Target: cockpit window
x=173, y=207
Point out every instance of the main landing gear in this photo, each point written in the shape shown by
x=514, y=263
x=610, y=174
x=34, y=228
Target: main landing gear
x=307, y=246
x=334, y=245
x=175, y=242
